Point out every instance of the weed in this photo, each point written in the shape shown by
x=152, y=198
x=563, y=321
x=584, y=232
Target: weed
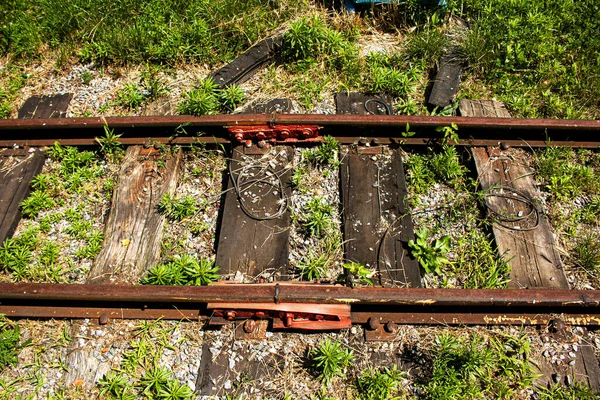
x=231, y=97
x=38, y=200
x=479, y=264
x=182, y=270
x=153, y=380
x=87, y=77
x=115, y=385
x=10, y=336
x=330, y=359
x=587, y=252
x=313, y=266
x=430, y=256
x=427, y=43
x=198, y=102
x=355, y=270
x=316, y=217
x=323, y=155
x=177, y=208
x=575, y=391
x=378, y=385
x=130, y=96
x=470, y=367
x=49, y=253
x=109, y=143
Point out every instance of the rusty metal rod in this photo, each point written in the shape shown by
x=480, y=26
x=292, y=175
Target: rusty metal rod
x=294, y=119
x=304, y=293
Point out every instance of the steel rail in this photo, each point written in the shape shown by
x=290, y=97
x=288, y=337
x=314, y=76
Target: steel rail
x=401, y=305
x=387, y=128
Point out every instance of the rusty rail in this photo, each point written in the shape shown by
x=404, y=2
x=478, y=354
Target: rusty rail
x=388, y=128
x=401, y=305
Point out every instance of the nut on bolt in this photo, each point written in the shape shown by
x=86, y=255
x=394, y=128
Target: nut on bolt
x=249, y=326
x=229, y=315
x=391, y=327
x=373, y=323
x=284, y=134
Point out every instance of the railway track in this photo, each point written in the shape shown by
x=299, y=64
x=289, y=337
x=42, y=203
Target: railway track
x=409, y=305
x=246, y=242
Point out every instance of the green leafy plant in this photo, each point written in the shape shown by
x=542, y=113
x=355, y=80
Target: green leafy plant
x=182, y=270
x=575, y=391
x=431, y=256
x=359, y=271
x=330, y=359
x=177, y=208
x=109, y=143
x=471, y=367
x=587, y=252
x=130, y=96
x=325, y=154
x=231, y=97
x=10, y=346
x=378, y=384
x=316, y=217
x=38, y=201
x=314, y=266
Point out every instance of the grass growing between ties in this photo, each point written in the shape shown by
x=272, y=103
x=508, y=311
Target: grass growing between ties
x=329, y=359
x=182, y=270
x=316, y=234
x=475, y=367
x=452, y=241
x=10, y=343
x=62, y=229
x=188, y=248
x=141, y=373
x=569, y=178
x=206, y=98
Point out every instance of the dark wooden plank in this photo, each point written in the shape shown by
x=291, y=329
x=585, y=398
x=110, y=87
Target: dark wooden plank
x=535, y=262
x=377, y=225
x=248, y=63
x=134, y=228
x=364, y=104
x=248, y=245
x=46, y=106
x=447, y=81
x=221, y=373
x=528, y=244
x=16, y=174
x=279, y=106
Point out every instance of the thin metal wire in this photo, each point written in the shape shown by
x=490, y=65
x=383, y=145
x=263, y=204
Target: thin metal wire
x=388, y=111
x=240, y=185
x=502, y=219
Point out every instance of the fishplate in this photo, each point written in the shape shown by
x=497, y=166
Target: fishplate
x=296, y=316
x=274, y=133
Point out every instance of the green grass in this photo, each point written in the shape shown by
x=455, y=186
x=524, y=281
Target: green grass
x=177, y=208
x=569, y=177
x=140, y=374
x=10, y=343
x=540, y=58
x=182, y=270
x=473, y=367
x=329, y=359
x=378, y=384
x=206, y=98
x=139, y=31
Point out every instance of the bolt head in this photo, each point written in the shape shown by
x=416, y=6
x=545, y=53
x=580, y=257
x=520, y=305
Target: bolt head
x=373, y=323
x=249, y=326
x=391, y=327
